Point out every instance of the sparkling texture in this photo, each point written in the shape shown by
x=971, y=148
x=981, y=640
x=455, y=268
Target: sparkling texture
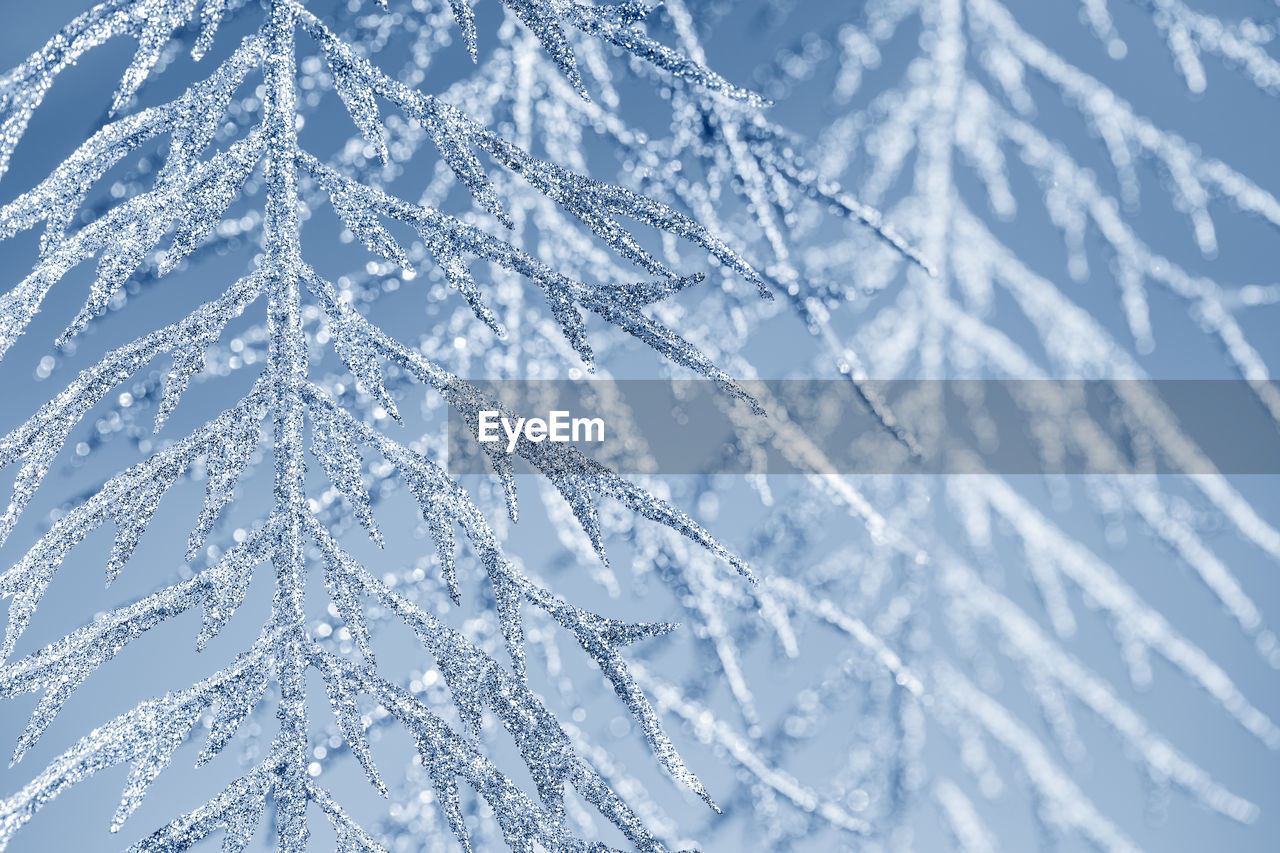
x=723, y=182
x=221, y=144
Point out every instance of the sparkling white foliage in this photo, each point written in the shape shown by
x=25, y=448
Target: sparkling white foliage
x=907, y=601
x=192, y=190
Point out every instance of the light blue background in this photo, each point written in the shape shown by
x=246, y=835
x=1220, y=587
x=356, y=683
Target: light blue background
x=1231, y=121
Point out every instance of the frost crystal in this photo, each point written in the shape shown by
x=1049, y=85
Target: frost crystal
x=549, y=206
x=223, y=148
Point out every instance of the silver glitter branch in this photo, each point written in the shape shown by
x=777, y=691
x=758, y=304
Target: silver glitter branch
x=189, y=197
